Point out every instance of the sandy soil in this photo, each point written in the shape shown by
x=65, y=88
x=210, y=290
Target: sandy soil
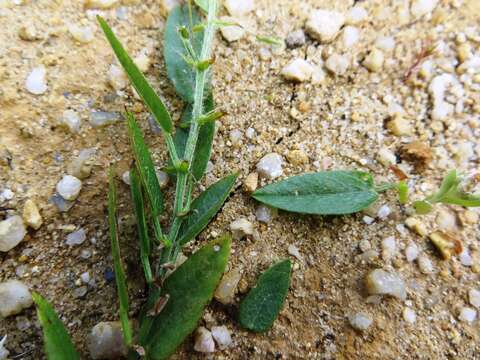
x=339, y=124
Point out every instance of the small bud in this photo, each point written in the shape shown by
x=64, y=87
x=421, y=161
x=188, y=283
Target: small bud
x=210, y=116
x=184, y=33
x=205, y=64
x=198, y=28
x=182, y=167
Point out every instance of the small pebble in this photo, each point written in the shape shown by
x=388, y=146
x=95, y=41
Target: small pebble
x=381, y=282
x=76, y=238
x=99, y=4
x=126, y=177
x=417, y=226
x=103, y=118
x=297, y=157
x=6, y=195
x=350, y=36
x=446, y=220
x=80, y=292
x=225, y=292
x=409, y=315
x=162, y=178
x=295, y=39
x=364, y=245
x=298, y=70
x=3, y=351
x=83, y=34
x=425, y=264
x=69, y=187
x=356, y=15
x=465, y=258
x=422, y=7
x=222, y=337
x=143, y=61
x=385, y=43
x=399, y=126
x=117, y=78
x=14, y=297
x=360, y=321
x=60, y=203
x=384, y=212
x=474, y=298
x=374, y=60
x=324, y=25
x=36, y=82
x=204, y=341
x=467, y=314
x=241, y=228
x=389, y=248
x=251, y=182
x=231, y=33
x=31, y=215
x=236, y=137
x=106, y=341
x=81, y=166
x=368, y=220
x=239, y=7
x=337, y=64
x=411, y=252
x=270, y=166
x=71, y=121
x=85, y=277
x=386, y=157
x=28, y=32
x=265, y=213
x=12, y=232
x=293, y=250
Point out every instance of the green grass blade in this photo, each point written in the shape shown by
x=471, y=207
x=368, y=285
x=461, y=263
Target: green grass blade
x=119, y=274
x=148, y=175
x=145, y=245
x=263, y=303
x=190, y=289
x=205, y=207
x=140, y=83
x=58, y=344
x=206, y=133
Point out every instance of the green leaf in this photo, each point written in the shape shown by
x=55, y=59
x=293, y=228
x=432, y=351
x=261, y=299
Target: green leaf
x=262, y=304
x=148, y=175
x=204, y=208
x=203, y=149
x=190, y=289
x=323, y=193
x=422, y=207
x=117, y=262
x=58, y=344
x=140, y=83
x=450, y=182
x=179, y=71
x=202, y=4
x=402, y=190
x=145, y=245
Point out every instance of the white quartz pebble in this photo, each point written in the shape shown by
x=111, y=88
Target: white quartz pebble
x=69, y=187
x=36, y=82
x=14, y=297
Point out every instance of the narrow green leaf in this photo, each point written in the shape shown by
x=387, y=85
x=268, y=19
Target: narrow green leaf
x=179, y=71
x=202, y=4
x=402, y=190
x=270, y=40
x=322, y=193
x=148, y=175
x=206, y=133
x=204, y=208
x=58, y=344
x=461, y=198
x=263, y=303
x=117, y=261
x=140, y=83
x=449, y=182
x=145, y=245
x=190, y=289
x=422, y=207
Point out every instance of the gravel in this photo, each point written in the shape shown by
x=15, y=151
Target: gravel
x=12, y=232
x=270, y=166
x=231, y=33
x=360, y=321
x=3, y=351
x=409, y=315
x=81, y=166
x=69, y=187
x=14, y=297
x=76, y=238
x=222, y=337
x=241, y=228
x=104, y=118
x=204, y=341
x=239, y=8
x=324, y=25
x=83, y=34
x=295, y=39
x=60, y=203
x=467, y=314
x=425, y=264
x=337, y=64
x=36, y=82
x=374, y=60
x=474, y=298
x=71, y=121
x=265, y=213
x=31, y=215
x=106, y=341
x=411, y=252
x=225, y=292
x=298, y=70
x=381, y=282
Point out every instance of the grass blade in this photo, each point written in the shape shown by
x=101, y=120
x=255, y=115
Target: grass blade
x=117, y=261
x=262, y=304
x=181, y=73
x=190, y=289
x=148, y=175
x=140, y=83
x=204, y=208
x=145, y=245
x=58, y=344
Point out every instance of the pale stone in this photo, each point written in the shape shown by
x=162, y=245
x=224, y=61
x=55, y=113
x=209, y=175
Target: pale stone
x=143, y=61
x=293, y=250
x=117, y=78
x=318, y=76
x=337, y=64
x=467, y=314
x=28, y=32
x=324, y=25
x=241, y=228
x=389, y=248
x=411, y=252
x=384, y=212
x=239, y=7
x=295, y=39
x=106, y=341
x=12, y=232
x=422, y=7
x=474, y=297
x=225, y=292
x=417, y=226
x=298, y=70
x=265, y=213
x=69, y=187
x=270, y=166
x=31, y=215
x=360, y=321
x=399, y=126
x=83, y=34
x=356, y=15
x=446, y=220
x=76, y=238
x=104, y=118
x=204, y=341
x=385, y=43
x=14, y=297
x=251, y=182
x=409, y=315
x=36, y=82
x=71, y=121
x=350, y=36
x=222, y=337
x=381, y=282
x=386, y=157
x=231, y=33
x=126, y=177
x=425, y=265
x=99, y=4
x=3, y=351
x=81, y=166
x=162, y=178
x=374, y=60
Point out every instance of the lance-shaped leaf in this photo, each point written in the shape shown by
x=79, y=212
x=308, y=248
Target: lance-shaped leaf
x=179, y=71
x=117, y=261
x=145, y=245
x=323, y=193
x=204, y=208
x=190, y=288
x=203, y=149
x=262, y=304
x=148, y=175
x=140, y=83
x=58, y=345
